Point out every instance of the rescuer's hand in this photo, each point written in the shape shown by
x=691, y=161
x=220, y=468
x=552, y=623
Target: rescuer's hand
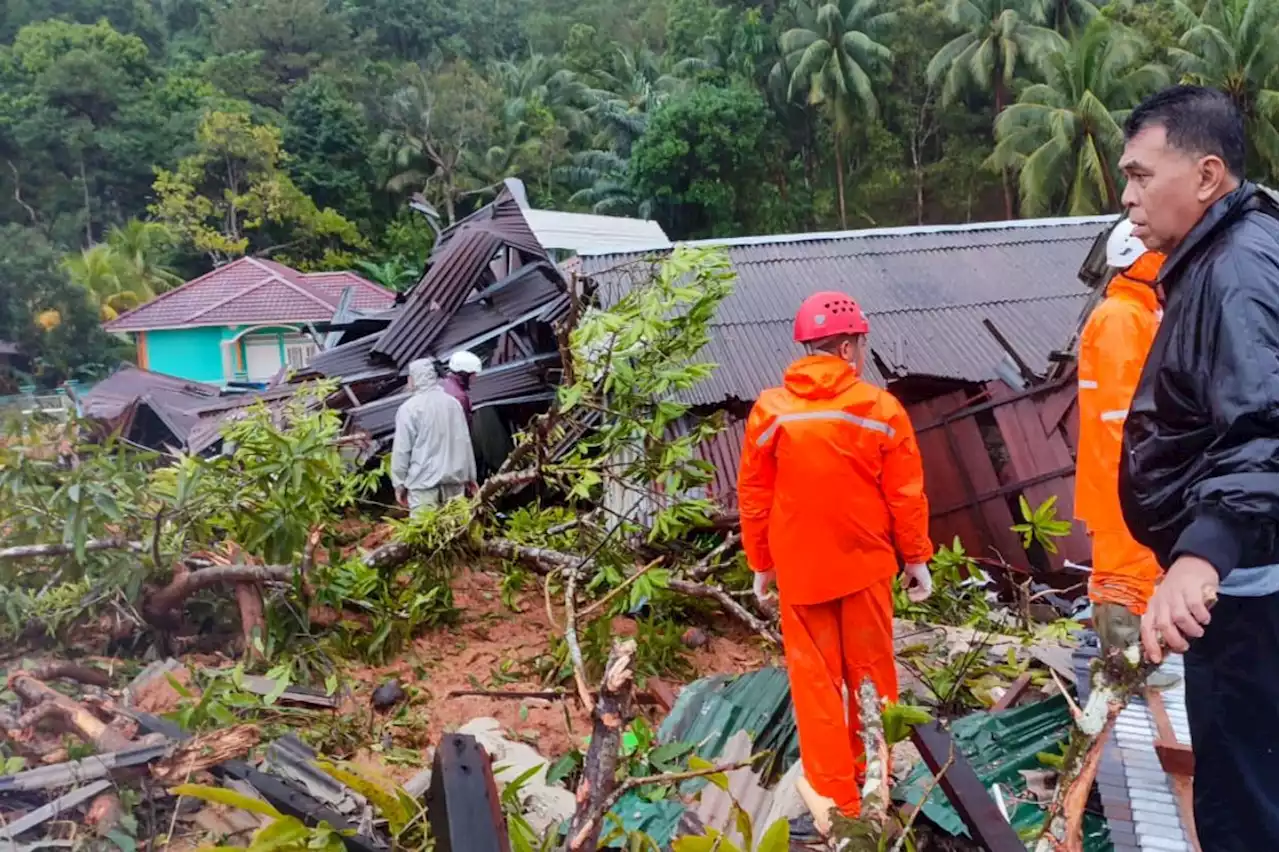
x=402, y=496
x=761, y=586
x=1179, y=609
x=919, y=582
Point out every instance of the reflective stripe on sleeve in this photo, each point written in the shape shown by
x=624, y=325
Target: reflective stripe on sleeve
x=1111, y=416
x=1088, y=384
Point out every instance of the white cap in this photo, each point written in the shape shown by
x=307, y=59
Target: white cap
x=464, y=362
x=1123, y=248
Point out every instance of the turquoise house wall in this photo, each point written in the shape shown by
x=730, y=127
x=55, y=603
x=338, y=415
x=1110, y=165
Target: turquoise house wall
x=191, y=353
x=196, y=353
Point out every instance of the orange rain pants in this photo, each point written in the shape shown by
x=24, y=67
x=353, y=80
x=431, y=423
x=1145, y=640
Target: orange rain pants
x=831, y=497
x=829, y=646
x=1113, y=349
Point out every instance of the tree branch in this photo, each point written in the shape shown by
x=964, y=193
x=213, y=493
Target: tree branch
x=31, y=551
x=600, y=766
x=707, y=565
x=187, y=583
x=730, y=606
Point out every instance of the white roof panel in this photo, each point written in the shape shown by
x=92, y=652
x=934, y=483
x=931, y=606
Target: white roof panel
x=587, y=233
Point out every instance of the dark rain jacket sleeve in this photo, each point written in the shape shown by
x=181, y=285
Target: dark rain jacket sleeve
x=1237, y=500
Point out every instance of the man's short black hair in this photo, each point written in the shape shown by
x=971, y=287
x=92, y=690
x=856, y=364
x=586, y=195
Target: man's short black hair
x=1196, y=120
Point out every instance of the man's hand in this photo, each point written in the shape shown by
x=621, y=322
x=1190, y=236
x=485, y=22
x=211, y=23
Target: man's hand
x=402, y=496
x=764, y=580
x=919, y=582
x=472, y=489
x=1179, y=608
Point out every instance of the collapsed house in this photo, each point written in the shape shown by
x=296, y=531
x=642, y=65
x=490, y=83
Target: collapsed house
x=489, y=287
x=969, y=327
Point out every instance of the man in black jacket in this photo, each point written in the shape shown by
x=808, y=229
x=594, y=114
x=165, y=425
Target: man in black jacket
x=1199, y=473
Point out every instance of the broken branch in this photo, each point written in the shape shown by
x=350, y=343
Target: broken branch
x=600, y=767
x=616, y=590
x=726, y=601
x=186, y=583
x=571, y=636
x=707, y=565
x=81, y=722
x=31, y=551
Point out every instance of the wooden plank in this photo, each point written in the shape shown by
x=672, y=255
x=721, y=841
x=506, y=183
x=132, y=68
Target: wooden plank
x=960, y=783
x=463, y=807
x=1176, y=758
x=1179, y=782
x=1056, y=406
x=1013, y=693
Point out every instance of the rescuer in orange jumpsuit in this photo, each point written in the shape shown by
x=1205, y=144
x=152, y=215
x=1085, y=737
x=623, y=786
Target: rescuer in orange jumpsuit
x=831, y=495
x=1113, y=348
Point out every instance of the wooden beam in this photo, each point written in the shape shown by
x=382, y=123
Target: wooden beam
x=1176, y=758
x=1180, y=783
x=1013, y=693
x=972, y=801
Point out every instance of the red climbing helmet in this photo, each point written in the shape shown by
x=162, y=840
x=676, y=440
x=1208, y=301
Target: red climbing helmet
x=827, y=314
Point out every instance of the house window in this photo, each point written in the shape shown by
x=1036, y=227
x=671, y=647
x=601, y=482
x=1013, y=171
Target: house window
x=298, y=351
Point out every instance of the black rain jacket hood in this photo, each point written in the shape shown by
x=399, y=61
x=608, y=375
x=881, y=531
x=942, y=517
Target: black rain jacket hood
x=1198, y=470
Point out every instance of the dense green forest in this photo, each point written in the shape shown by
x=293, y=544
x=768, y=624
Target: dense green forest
x=144, y=141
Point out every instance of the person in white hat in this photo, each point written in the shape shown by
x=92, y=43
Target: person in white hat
x=463, y=365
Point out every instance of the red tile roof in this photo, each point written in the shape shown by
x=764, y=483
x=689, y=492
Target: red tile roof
x=251, y=291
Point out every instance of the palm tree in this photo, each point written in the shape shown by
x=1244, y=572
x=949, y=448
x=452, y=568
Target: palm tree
x=438, y=125
x=600, y=178
x=109, y=278
x=1232, y=46
x=829, y=58
x=1001, y=39
x=145, y=245
x=637, y=85
x=394, y=274
x=1068, y=17
x=1063, y=137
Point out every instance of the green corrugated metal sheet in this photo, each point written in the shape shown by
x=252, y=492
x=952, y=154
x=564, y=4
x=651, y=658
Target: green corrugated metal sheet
x=998, y=746
x=710, y=711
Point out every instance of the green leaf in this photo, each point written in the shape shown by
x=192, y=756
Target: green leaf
x=742, y=820
x=697, y=764
x=223, y=796
x=777, y=838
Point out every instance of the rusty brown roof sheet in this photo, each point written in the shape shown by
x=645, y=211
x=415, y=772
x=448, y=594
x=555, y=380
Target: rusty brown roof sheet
x=458, y=265
x=925, y=290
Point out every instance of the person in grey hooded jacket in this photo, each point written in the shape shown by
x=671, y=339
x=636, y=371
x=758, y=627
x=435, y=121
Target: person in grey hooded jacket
x=431, y=458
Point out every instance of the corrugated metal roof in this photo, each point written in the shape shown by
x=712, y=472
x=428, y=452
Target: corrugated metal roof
x=458, y=264
x=926, y=291
x=588, y=233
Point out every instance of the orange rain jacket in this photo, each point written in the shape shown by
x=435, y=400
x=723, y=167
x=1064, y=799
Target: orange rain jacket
x=831, y=493
x=830, y=489
x=1113, y=349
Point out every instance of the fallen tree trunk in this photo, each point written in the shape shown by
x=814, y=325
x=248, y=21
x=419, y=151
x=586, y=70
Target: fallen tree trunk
x=75, y=715
x=600, y=767
x=159, y=605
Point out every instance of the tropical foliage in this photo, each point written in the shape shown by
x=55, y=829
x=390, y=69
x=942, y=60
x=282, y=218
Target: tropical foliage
x=143, y=142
